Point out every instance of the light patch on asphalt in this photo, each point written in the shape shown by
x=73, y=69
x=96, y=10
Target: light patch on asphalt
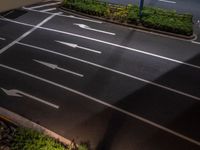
x=132, y=115
x=167, y=1
x=115, y=71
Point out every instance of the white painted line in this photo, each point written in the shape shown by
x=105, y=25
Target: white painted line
x=106, y=104
x=52, y=66
x=123, y=47
x=3, y=39
x=167, y=1
x=83, y=26
x=45, y=5
x=112, y=44
x=76, y=46
x=115, y=71
x=46, y=10
x=17, y=22
x=67, y=16
x=195, y=42
x=26, y=34
x=75, y=17
x=18, y=93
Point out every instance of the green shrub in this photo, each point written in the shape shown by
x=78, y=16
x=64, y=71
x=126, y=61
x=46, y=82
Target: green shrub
x=27, y=139
x=156, y=18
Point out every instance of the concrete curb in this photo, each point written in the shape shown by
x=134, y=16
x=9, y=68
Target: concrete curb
x=23, y=122
x=164, y=33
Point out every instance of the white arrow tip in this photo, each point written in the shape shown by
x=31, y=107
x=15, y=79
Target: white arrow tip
x=68, y=44
x=11, y=92
x=52, y=66
x=81, y=25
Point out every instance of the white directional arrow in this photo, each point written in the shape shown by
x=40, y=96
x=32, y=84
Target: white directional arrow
x=18, y=93
x=53, y=66
x=76, y=46
x=83, y=26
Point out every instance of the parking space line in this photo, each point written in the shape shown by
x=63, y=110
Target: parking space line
x=67, y=16
x=112, y=44
x=17, y=22
x=76, y=46
x=46, y=10
x=45, y=5
x=167, y=1
x=18, y=93
x=195, y=42
x=3, y=39
x=115, y=71
x=52, y=66
x=26, y=34
x=132, y=115
x=123, y=47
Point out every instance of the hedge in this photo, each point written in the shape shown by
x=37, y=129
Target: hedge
x=156, y=18
x=27, y=139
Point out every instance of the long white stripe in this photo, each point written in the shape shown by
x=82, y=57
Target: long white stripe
x=116, y=45
x=39, y=100
x=124, y=47
x=67, y=16
x=17, y=22
x=46, y=10
x=26, y=34
x=108, y=105
x=167, y=1
x=45, y=5
x=195, y=42
x=115, y=71
x=80, y=47
x=3, y=39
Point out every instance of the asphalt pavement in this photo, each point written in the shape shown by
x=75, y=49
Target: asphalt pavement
x=115, y=87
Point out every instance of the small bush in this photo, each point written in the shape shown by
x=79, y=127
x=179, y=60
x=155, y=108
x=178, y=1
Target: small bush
x=27, y=139
x=156, y=18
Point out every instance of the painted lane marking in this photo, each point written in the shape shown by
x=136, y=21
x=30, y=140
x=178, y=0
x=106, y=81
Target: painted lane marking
x=76, y=46
x=46, y=10
x=3, y=39
x=53, y=66
x=106, y=104
x=67, y=16
x=115, y=71
x=195, y=42
x=75, y=17
x=18, y=93
x=26, y=34
x=83, y=26
x=45, y=5
x=112, y=44
x=21, y=23
x=167, y=1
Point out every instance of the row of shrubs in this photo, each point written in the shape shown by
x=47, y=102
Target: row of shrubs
x=156, y=18
x=27, y=139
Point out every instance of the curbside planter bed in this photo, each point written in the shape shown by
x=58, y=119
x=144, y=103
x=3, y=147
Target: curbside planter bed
x=156, y=20
x=28, y=135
